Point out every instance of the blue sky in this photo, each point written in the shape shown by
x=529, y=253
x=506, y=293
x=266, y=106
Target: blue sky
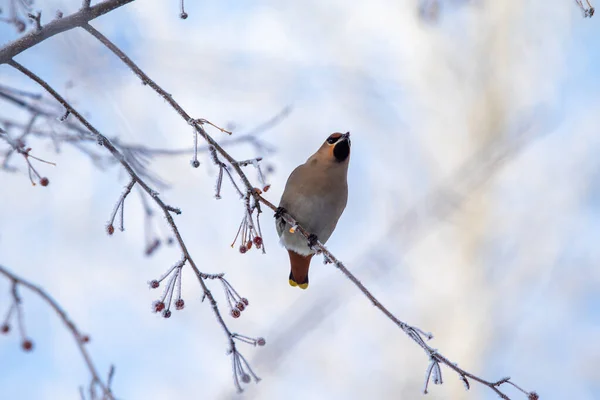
x=508, y=282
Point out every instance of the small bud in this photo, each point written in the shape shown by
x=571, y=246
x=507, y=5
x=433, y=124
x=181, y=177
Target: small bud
x=85, y=339
x=5, y=328
x=244, y=300
x=240, y=306
x=261, y=341
x=158, y=306
x=246, y=378
x=243, y=249
x=195, y=163
x=110, y=229
x=27, y=345
x=179, y=304
x=258, y=241
x=44, y=181
x=266, y=188
x=167, y=314
x=154, y=284
x=235, y=313
x=183, y=15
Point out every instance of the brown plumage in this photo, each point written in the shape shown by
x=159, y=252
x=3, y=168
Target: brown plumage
x=315, y=195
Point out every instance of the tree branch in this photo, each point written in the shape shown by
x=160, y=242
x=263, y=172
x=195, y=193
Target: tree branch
x=77, y=19
x=167, y=210
x=80, y=338
x=414, y=333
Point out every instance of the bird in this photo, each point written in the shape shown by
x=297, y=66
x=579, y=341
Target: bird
x=315, y=195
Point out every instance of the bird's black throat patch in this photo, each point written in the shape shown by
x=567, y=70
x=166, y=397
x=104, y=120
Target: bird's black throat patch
x=341, y=151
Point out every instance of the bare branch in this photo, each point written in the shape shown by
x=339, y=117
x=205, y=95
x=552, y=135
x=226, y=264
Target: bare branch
x=104, y=141
x=414, y=333
x=80, y=339
x=77, y=19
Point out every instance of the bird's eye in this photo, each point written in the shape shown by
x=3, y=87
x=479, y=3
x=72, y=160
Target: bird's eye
x=332, y=140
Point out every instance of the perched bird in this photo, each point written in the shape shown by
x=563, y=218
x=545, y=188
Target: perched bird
x=315, y=195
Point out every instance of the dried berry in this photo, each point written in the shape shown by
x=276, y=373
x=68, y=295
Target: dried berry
x=195, y=163
x=258, y=241
x=266, y=188
x=44, y=181
x=159, y=306
x=154, y=284
x=243, y=249
x=246, y=378
x=167, y=314
x=183, y=15
x=240, y=306
x=249, y=245
x=261, y=341
x=27, y=345
x=235, y=313
x=244, y=300
x=110, y=229
x=5, y=328
x=179, y=304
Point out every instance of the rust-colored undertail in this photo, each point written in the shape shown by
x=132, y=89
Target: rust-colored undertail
x=299, y=272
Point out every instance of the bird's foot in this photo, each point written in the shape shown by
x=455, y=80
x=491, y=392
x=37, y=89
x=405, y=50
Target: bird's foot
x=279, y=212
x=312, y=240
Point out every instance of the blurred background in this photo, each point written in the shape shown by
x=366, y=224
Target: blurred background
x=473, y=211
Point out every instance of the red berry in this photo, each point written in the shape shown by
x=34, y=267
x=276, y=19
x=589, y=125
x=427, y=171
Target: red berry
x=243, y=249
x=235, y=313
x=179, y=304
x=240, y=306
x=5, y=328
x=44, y=181
x=167, y=314
x=258, y=241
x=244, y=300
x=159, y=306
x=249, y=245
x=27, y=345
x=261, y=341
x=154, y=284
x=110, y=229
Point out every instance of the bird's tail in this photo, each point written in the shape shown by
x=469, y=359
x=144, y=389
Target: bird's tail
x=299, y=269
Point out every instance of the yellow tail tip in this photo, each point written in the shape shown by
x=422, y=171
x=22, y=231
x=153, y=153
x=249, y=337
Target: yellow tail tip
x=303, y=285
x=292, y=282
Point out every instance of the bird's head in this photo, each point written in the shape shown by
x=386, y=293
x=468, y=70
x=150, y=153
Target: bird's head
x=337, y=147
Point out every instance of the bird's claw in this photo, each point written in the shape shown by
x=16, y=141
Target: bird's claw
x=312, y=240
x=279, y=212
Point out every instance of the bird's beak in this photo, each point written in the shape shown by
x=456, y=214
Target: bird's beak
x=346, y=136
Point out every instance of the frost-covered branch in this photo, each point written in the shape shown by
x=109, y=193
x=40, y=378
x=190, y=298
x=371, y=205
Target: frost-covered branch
x=242, y=371
x=56, y=26
x=27, y=344
x=414, y=333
